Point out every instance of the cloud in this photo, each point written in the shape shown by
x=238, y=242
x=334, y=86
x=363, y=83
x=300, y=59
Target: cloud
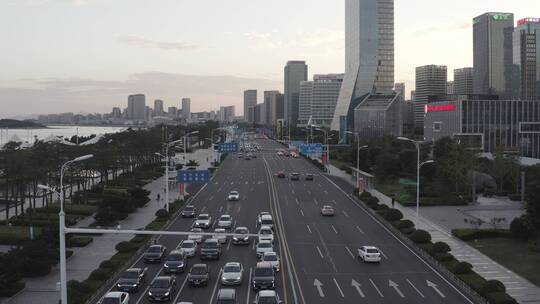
x=143, y=42
x=299, y=39
x=440, y=28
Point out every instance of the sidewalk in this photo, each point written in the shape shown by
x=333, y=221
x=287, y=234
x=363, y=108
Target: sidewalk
x=85, y=260
x=519, y=288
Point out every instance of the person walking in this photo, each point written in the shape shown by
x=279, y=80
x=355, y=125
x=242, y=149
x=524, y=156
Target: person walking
x=158, y=197
x=393, y=202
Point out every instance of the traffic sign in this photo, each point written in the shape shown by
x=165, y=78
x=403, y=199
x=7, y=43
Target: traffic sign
x=311, y=149
x=192, y=176
x=228, y=147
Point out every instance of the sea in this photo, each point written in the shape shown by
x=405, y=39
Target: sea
x=29, y=135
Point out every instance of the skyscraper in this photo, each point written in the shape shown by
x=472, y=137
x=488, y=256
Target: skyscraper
x=450, y=87
x=400, y=88
x=369, y=53
x=463, y=81
x=318, y=99
x=136, y=109
x=274, y=106
x=527, y=59
x=158, y=107
x=430, y=80
x=492, y=54
x=250, y=100
x=186, y=108
x=295, y=72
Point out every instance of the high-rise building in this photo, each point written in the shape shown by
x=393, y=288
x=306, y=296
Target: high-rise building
x=172, y=112
x=116, y=113
x=399, y=87
x=226, y=114
x=369, y=53
x=318, y=99
x=250, y=100
x=492, y=54
x=259, y=114
x=186, y=108
x=449, y=87
x=158, y=107
x=463, y=81
x=527, y=59
x=274, y=103
x=136, y=109
x=430, y=80
x=379, y=114
x=295, y=72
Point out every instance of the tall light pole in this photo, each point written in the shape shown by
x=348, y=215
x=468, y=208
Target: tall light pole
x=185, y=144
x=62, y=225
x=358, y=148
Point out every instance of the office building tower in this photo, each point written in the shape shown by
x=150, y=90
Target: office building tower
x=250, y=100
x=463, y=81
x=492, y=54
x=158, y=107
x=527, y=59
x=172, y=112
x=116, y=113
x=379, y=114
x=136, y=109
x=369, y=54
x=430, y=80
x=226, y=114
x=449, y=87
x=186, y=108
x=295, y=72
x=259, y=114
x=318, y=99
x=274, y=103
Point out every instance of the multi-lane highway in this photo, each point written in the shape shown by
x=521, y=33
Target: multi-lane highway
x=318, y=254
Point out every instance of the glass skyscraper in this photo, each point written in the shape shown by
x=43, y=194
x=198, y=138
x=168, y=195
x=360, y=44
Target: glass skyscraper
x=369, y=53
x=527, y=59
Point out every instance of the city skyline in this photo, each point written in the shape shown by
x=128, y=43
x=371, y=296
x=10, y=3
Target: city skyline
x=104, y=63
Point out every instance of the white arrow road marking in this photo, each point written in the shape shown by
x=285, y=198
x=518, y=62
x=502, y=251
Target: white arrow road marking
x=334, y=201
x=384, y=255
x=376, y=288
x=292, y=191
x=203, y=208
x=319, y=286
x=316, y=202
x=297, y=202
x=334, y=228
x=360, y=230
x=309, y=192
x=339, y=288
x=396, y=288
x=302, y=212
x=356, y=286
x=434, y=286
x=309, y=229
x=220, y=208
x=414, y=287
x=350, y=252
x=320, y=252
x=211, y=197
x=345, y=213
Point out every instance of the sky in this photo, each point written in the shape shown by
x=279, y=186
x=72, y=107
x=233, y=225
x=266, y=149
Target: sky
x=87, y=55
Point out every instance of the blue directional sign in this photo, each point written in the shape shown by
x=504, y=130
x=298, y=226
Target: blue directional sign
x=192, y=176
x=296, y=144
x=228, y=147
x=311, y=149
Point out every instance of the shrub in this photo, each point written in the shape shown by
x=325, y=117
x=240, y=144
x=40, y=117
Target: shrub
x=32, y=268
x=124, y=247
x=440, y=247
x=443, y=257
x=462, y=268
x=107, y=264
x=380, y=207
x=420, y=236
x=393, y=215
x=492, y=286
x=405, y=224
x=500, y=298
x=515, y=197
x=407, y=231
x=471, y=234
x=365, y=195
x=9, y=289
x=519, y=228
x=162, y=214
x=99, y=275
x=79, y=241
x=82, y=287
x=372, y=200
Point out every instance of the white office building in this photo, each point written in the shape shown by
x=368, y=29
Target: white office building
x=318, y=99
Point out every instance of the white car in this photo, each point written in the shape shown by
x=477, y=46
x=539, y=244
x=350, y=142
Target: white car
x=262, y=247
x=266, y=220
x=225, y=221
x=188, y=247
x=203, y=221
x=267, y=296
x=233, y=196
x=115, y=297
x=196, y=237
x=232, y=274
x=266, y=234
x=261, y=215
x=280, y=153
x=219, y=235
x=369, y=254
x=272, y=258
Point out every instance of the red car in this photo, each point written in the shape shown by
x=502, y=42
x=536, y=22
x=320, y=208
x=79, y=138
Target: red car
x=281, y=174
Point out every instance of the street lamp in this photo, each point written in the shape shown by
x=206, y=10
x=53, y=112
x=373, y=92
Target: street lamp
x=185, y=144
x=327, y=147
x=358, y=148
x=62, y=225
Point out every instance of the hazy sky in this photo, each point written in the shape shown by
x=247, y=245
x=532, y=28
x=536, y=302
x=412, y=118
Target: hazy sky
x=87, y=55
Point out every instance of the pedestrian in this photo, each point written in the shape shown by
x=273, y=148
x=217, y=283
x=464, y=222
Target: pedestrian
x=158, y=197
x=393, y=202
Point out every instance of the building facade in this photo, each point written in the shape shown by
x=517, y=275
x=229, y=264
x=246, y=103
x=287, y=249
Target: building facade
x=492, y=54
x=186, y=108
x=318, y=99
x=226, y=114
x=430, y=80
x=158, y=107
x=259, y=114
x=450, y=87
x=295, y=72
x=463, y=81
x=274, y=103
x=369, y=53
x=379, y=114
x=527, y=59
x=136, y=109
x=250, y=100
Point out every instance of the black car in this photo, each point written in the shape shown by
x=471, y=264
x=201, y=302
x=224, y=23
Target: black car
x=162, y=289
x=295, y=176
x=131, y=280
x=240, y=237
x=176, y=262
x=309, y=177
x=263, y=276
x=199, y=275
x=210, y=249
x=189, y=211
x=154, y=254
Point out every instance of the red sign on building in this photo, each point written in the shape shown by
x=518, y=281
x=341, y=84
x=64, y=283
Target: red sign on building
x=440, y=108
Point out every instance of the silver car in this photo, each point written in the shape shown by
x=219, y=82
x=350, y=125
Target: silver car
x=188, y=247
x=262, y=247
x=225, y=221
x=196, y=237
x=272, y=258
x=219, y=235
x=203, y=221
x=233, y=274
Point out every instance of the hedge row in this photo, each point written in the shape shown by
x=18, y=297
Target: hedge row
x=471, y=234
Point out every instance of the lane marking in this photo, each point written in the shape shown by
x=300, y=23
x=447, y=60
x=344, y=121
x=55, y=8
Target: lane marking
x=384, y=255
x=215, y=286
x=396, y=288
x=334, y=228
x=211, y=197
x=350, y=252
x=180, y=290
x=319, y=286
x=414, y=287
x=334, y=201
x=220, y=209
x=309, y=192
x=203, y=208
x=345, y=213
x=357, y=286
x=360, y=230
x=297, y=202
x=434, y=286
x=339, y=288
x=302, y=212
x=320, y=252
x=309, y=229
x=292, y=191
x=326, y=192
x=376, y=288
x=249, y=287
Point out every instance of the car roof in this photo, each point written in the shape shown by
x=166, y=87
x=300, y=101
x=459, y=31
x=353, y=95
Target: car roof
x=163, y=278
x=210, y=241
x=227, y=293
x=233, y=264
x=266, y=216
x=270, y=253
x=176, y=252
x=264, y=265
x=157, y=245
x=267, y=293
x=225, y=215
x=370, y=247
x=327, y=206
x=114, y=294
x=188, y=241
x=200, y=266
x=265, y=227
x=203, y=214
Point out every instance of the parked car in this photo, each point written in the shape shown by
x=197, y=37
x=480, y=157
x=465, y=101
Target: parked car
x=176, y=262
x=199, y=275
x=162, y=288
x=154, y=254
x=115, y=297
x=132, y=279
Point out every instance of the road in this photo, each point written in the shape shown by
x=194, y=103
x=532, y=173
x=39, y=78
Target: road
x=318, y=255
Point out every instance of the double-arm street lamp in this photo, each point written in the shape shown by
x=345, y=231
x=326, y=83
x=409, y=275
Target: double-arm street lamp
x=62, y=224
x=358, y=148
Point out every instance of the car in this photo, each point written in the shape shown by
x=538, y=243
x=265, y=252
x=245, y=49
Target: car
x=225, y=221
x=272, y=258
x=267, y=297
x=240, y=237
x=263, y=276
x=198, y=238
x=266, y=234
x=115, y=297
x=267, y=220
x=309, y=177
x=154, y=254
x=199, y=275
x=132, y=279
x=262, y=247
x=203, y=221
x=233, y=196
x=176, y=262
x=260, y=217
x=162, y=288
x=189, y=211
x=226, y=296
x=294, y=154
x=253, y=155
x=327, y=210
x=369, y=254
x=281, y=174
x=240, y=155
x=188, y=247
x=247, y=158
x=280, y=153
x=295, y=176
x=219, y=235
x=210, y=249
x=232, y=274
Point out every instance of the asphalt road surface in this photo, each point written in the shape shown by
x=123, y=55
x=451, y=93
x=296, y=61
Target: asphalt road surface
x=318, y=254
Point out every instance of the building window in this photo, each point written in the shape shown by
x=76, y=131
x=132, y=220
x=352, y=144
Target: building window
x=437, y=126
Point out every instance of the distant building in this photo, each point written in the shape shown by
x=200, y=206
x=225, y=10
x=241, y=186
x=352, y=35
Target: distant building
x=295, y=72
x=274, y=106
x=492, y=54
x=172, y=112
x=226, y=114
x=399, y=87
x=158, y=107
x=450, y=87
x=407, y=112
x=430, y=80
x=379, y=114
x=136, y=109
x=259, y=114
x=463, y=81
x=318, y=99
x=116, y=113
x=250, y=101
x=186, y=108
x=527, y=59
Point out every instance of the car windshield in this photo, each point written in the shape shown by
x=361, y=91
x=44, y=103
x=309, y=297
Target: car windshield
x=266, y=221
x=198, y=270
x=270, y=258
x=372, y=250
x=231, y=268
x=161, y=283
x=225, y=218
x=203, y=217
x=241, y=231
x=264, y=272
x=267, y=300
x=210, y=245
x=234, y=193
x=130, y=275
x=175, y=257
x=188, y=245
x=264, y=245
x=154, y=249
x=265, y=231
x=110, y=301
x=189, y=208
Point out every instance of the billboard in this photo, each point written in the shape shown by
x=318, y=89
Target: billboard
x=228, y=147
x=192, y=176
x=311, y=149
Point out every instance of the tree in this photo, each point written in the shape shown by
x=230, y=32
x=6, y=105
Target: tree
x=454, y=166
x=533, y=209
